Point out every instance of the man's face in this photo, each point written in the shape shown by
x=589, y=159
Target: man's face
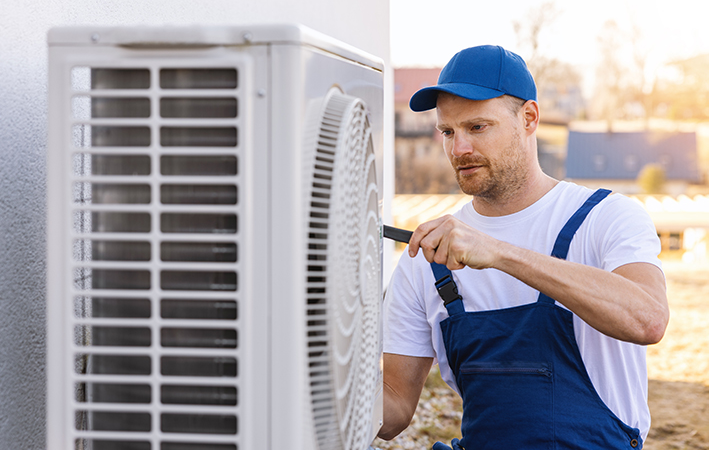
x=483, y=142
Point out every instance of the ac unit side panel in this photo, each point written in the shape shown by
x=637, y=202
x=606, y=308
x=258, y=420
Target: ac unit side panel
x=363, y=82
x=357, y=80
x=150, y=155
x=304, y=79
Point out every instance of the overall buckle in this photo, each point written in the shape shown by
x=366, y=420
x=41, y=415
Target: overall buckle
x=447, y=289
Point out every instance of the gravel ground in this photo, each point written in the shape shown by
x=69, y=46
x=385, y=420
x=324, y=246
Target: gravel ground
x=678, y=369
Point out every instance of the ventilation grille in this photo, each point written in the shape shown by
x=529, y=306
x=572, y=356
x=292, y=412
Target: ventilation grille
x=155, y=262
x=344, y=277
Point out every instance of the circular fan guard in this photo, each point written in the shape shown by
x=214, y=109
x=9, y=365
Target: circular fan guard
x=344, y=278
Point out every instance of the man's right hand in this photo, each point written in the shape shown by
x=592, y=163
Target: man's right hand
x=455, y=445
x=449, y=241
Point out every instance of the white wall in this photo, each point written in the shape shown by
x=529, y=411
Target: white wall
x=23, y=114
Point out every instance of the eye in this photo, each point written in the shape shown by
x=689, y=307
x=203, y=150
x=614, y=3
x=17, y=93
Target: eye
x=477, y=127
x=446, y=132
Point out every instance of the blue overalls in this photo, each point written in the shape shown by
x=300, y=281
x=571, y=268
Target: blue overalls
x=520, y=373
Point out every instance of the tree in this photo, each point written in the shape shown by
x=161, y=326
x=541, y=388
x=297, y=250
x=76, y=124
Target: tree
x=684, y=90
x=611, y=85
x=529, y=33
x=555, y=79
x=651, y=179
x=641, y=90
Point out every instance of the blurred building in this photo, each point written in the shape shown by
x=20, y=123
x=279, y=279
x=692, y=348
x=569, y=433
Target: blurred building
x=419, y=162
x=408, y=124
x=561, y=103
x=614, y=159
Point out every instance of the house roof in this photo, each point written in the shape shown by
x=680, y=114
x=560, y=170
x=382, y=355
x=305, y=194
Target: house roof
x=622, y=155
x=667, y=213
x=409, y=80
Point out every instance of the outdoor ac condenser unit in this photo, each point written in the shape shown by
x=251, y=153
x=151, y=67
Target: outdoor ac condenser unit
x=214, y=244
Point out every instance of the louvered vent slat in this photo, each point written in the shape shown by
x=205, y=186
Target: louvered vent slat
x=165, y=140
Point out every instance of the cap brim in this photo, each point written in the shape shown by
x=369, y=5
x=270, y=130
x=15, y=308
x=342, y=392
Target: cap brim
x=426, y=98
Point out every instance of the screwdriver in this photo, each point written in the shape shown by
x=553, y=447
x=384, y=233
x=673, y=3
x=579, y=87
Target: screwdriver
x=397, y=234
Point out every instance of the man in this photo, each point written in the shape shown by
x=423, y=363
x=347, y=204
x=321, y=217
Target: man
x=546, y=351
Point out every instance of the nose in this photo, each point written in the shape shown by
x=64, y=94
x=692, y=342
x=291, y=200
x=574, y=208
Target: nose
x=462, y=145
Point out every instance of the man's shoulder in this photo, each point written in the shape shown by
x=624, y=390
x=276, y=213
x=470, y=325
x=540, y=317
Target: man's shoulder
x=574, y=194
x=570, y=190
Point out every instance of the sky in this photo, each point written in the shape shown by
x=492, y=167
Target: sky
x=427, y=33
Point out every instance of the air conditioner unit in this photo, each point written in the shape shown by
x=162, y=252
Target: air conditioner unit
x=214, y=243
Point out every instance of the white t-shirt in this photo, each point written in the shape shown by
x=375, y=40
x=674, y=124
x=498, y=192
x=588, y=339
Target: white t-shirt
x=617, y=231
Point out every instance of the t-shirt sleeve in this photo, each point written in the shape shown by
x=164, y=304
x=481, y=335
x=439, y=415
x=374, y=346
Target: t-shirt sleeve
x=406, y=328
x=627, y=234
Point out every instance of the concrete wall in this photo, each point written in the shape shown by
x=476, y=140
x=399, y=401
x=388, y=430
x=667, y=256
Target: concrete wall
x=23, y=116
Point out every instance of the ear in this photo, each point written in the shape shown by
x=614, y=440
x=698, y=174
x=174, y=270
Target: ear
x=530, y=116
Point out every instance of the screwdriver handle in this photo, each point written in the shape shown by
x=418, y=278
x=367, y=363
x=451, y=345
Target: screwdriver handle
x=397, y=234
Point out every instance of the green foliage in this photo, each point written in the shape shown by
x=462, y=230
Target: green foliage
x=651, y=179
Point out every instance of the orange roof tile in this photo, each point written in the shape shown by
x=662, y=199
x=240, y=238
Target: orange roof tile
x=408, y=81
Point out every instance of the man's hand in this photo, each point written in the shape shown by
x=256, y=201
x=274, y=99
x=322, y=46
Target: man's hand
x=455, y=445
x=450, y=242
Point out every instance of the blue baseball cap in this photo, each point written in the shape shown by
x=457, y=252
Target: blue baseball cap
x=479, y=73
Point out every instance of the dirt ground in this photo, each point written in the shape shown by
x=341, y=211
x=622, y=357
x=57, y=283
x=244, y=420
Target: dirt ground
x=678, y=369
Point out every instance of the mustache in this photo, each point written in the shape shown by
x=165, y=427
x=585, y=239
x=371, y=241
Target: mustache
x=477, y=160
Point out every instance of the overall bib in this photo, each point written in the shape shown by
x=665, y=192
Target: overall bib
x=520, y=373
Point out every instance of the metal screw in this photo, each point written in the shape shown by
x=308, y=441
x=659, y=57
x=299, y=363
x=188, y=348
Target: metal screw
x=95, y=37
x=261, y=92
x=247, y=36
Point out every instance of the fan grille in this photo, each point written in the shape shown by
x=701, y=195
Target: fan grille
x=343, y=285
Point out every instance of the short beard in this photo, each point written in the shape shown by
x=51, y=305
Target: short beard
x=505, y=178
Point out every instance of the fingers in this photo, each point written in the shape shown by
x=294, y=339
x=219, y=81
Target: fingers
x=423, y=232
x=450, y=242
x=437, y=239
x=440, y=446
x=455, y=445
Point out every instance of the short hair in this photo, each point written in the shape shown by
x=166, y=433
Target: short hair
x=514, y=103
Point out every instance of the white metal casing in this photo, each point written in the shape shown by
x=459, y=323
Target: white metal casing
x=283, y=73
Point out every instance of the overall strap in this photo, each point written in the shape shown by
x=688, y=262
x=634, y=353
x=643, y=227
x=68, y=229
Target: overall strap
x=563, y=240
x=447, y=289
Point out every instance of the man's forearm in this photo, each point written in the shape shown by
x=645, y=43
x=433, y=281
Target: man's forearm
x=628, y=304
x=404, y=377
x=396, y=416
